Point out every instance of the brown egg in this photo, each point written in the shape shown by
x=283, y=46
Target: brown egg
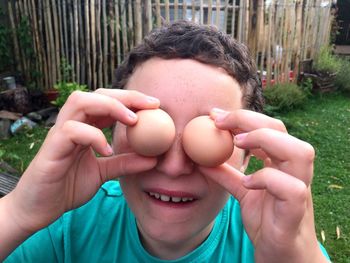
x=205, y=144
x=153, y=133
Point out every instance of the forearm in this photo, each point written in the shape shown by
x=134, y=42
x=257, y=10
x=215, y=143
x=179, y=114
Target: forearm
x=11, y=235
x=307, y=254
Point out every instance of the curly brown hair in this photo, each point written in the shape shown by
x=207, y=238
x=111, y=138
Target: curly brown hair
x=206, y=44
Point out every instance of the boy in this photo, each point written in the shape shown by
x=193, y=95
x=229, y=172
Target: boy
x=167, y=207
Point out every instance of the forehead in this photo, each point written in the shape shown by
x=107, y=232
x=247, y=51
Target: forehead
x=186, y=84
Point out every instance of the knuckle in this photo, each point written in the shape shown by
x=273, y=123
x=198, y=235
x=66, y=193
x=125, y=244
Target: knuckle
x=68, y=126
x=265, y=172
x=309, y=153
x=99, y=90
x=300, y=192
x=265, y=133
x=122, y=167
x=75, y=97
x=100, y=135
x=279, y=125
x=134, y=93
x=104, y=171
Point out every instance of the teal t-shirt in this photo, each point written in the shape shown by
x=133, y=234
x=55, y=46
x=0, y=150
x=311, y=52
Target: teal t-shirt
x=104, y=230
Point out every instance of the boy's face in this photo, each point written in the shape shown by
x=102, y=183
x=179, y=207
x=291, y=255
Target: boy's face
x=186, y=89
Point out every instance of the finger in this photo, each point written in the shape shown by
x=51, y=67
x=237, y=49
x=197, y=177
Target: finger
x=295, y=157
x=81, y=105
x=228, y=177
x=278, y=145
x=239, y=121
x=73, y=134
x=90, y=107
x=281, y=185
x=131, y=98
x=290, y=193
x=124, y=164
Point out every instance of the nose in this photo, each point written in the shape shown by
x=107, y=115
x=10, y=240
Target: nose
x=175, y=162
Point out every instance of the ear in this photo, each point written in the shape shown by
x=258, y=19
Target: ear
x=246, y=159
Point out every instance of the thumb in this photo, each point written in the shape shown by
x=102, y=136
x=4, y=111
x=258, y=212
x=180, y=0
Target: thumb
x=123, y=164
x=228, y=177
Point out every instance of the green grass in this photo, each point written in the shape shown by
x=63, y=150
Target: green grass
x=20, y=149
x=324, y=122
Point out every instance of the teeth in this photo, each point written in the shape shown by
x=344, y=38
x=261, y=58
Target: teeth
x=175, y=199
x=166, y=198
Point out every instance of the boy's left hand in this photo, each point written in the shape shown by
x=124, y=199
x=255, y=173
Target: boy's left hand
x=276, y=202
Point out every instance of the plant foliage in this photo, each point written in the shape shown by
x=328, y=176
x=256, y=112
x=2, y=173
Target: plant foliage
x=307, y=86
x=66, y=86
x=6, y=52
x=283, y=97
x=65, y=89
x=342, y=80
x=326, y=62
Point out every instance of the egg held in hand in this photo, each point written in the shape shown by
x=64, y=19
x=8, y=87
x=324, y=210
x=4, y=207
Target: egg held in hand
x=205, y=144
x=153, y=133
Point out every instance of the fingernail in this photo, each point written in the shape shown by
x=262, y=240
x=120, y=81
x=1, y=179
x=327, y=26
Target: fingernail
x=132, y=115
x=109, y=150
x=152, y=99
x=241, y=136
x=219, y=114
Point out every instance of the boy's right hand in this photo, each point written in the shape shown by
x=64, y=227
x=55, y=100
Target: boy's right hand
x=66, y=173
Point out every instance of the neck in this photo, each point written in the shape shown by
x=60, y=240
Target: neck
x=165, y=249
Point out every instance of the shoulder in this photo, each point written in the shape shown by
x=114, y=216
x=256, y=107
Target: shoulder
x=90, y=227
x=73, y=236
x=107, y=202
x=112, y=188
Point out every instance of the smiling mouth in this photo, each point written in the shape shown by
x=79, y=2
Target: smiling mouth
x=172, y=199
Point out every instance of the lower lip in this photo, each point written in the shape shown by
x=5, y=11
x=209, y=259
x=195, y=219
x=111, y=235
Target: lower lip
x=171, y=204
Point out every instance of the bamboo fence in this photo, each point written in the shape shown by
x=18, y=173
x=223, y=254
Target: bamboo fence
x=94, y=35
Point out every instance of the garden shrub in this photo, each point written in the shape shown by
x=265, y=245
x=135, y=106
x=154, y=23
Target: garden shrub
x=66, y=86
x=306, y=86
x=342, y=80
x=283, y=97
x=326, y=62
x=65, y=89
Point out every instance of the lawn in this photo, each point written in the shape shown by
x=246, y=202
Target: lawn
x=324, y=122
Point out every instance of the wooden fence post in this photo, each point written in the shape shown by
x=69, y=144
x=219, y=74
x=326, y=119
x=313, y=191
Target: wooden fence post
x=94, y=36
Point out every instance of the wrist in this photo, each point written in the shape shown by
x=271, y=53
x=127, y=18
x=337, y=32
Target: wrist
x=11, y=234
x=307, y=255
x=320, y=258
